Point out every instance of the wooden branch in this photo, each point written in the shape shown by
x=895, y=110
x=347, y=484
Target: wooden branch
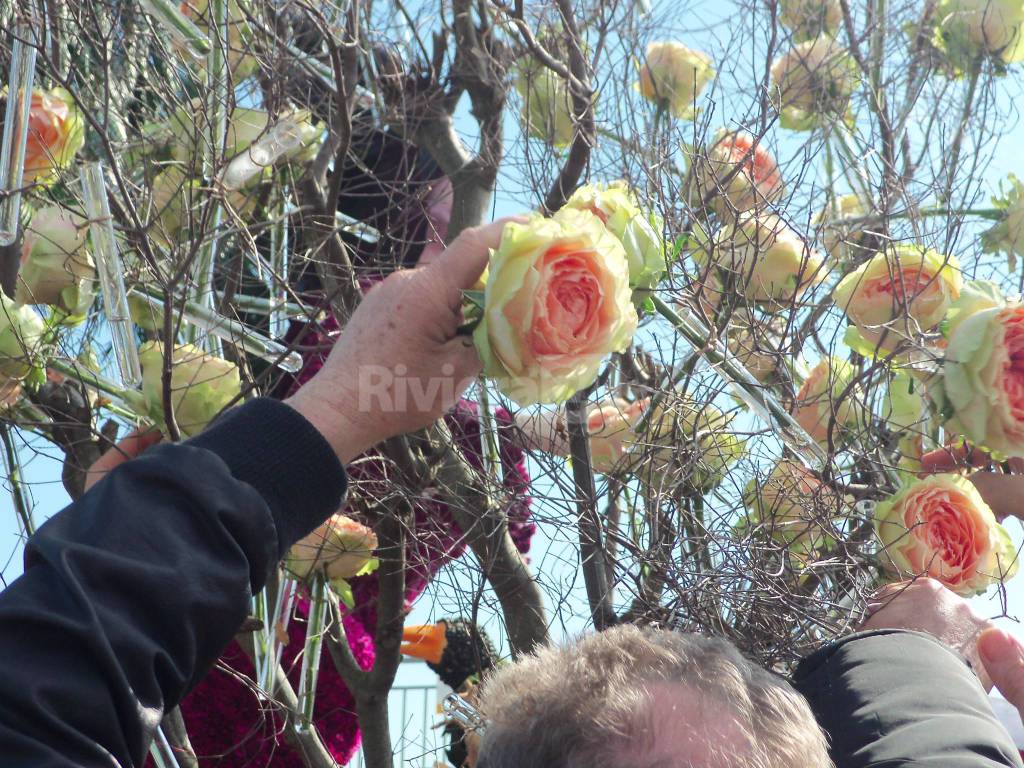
x=594, y=559
x=486, y=532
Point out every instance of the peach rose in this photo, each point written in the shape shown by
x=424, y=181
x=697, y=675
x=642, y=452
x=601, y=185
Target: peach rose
x=895, y=295
x=792, y=506
x=755, y=183
x=824, y=399
x=55, y=134
x=941, y=527
x=341, y=547
x=557, y=303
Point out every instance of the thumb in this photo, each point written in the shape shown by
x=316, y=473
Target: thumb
x=1003, y=657
x=464, y=260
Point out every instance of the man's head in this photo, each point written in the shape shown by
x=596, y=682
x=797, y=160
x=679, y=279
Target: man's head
x=644, y=698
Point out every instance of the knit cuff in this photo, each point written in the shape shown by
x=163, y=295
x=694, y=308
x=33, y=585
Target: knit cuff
x=272, y=447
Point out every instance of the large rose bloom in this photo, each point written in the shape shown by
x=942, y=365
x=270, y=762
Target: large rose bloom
x=972, y=28
x=792, y=506
x=941, y=527
x=675, y=75
x=557, y=303
x=770, y=263
x=983, y=379
x=639, y=232
x=201, y=385
x=893, y=296
x=825, y=398
x=737, y=174
x=812, y=83
x=55, y=134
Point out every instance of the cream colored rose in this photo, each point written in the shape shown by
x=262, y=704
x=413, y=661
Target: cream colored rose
x=766, y=260
x=201, y=385
x=895, y=295
x=808, y=19
x=557, y=303
x=1007, y=236
x=21, y=333
x=968, y=29
x=827, y=401
x=675, y=75
x=942, y=528
x=547, y=105
x=812, y=83
x=844, y=240
x=341, y=548
x=56, y=268
x=793, y=507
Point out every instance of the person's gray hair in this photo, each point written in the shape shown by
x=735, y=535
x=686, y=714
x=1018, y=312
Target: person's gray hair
x=611, y=700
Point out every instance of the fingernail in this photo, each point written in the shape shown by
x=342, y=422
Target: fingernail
x=997, y=645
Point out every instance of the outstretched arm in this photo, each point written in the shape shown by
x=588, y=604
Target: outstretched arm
x=131, y=593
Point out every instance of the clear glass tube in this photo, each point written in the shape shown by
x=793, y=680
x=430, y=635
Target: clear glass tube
x=277, y=277
x=214, y=323
x=281, y=617
x=15, y=139
x=283, y=137
x=111, y=274
x=312, y=649
x=182, y=30
x=743, y=383
x=162, y=752
x=261, y=637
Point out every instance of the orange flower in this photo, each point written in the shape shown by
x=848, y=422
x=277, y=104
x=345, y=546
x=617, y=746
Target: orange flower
x=55, y=134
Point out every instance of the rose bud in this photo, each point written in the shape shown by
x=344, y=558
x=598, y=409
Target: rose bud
x=756, y=344
x=557, y=303
x=640, y=233
x=201, y=385
x=610, y=426
x=341, y=548
x=21, y=331
x=982, y=385
x=729, y=190
x=685, y=443
x=768, y=262
x=825, y=399
x=812, y=84
x=969, y=29
x=808, y=19
x=792, y=507
x=547, y=105
x=895, y=295
x=56, y=133
x=56, y=268
x=940, y=527
x=675, y=75
x=1007, y=236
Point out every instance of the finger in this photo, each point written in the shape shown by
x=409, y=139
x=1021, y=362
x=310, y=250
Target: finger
x=465, y=361
x=953, y=457
x=133, y=444
x=1003, y=493
x=1003, y=657
x=464, y=260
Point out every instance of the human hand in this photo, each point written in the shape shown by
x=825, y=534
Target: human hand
x=134, y=444
x=1003, y=657
x=399, y=363
x=1002, y=491
x=925, y=605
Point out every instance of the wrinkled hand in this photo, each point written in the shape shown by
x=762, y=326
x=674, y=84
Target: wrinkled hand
x=925, y=605
x=1003, y=492
x=1003, y=657
x=399, y=364
x=134, y=444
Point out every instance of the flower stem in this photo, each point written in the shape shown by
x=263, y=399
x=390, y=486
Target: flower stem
x=13, y=466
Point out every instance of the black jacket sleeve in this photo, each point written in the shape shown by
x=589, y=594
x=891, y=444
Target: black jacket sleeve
x=891, y=698
x=130, y=594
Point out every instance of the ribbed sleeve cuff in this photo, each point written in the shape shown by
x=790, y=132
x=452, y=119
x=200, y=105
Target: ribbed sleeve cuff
x=272, y=447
